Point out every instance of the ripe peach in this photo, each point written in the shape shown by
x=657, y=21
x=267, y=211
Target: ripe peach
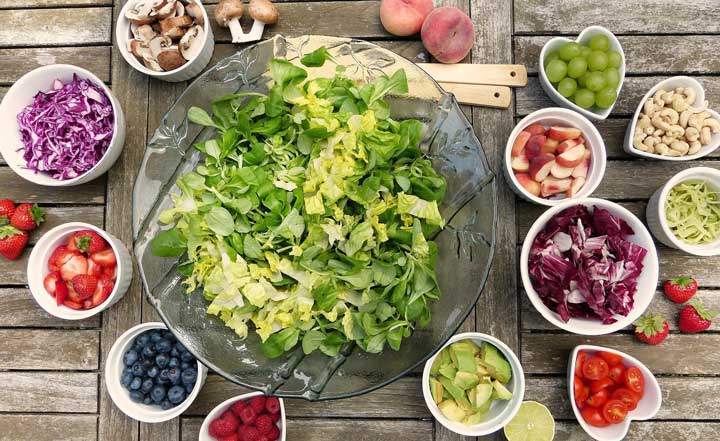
x=572, y=157
x=550, y=146
x=528, y=184
x=551, y=186
x=581, y=170
x=567, y=144
x=520, y=163
x=576, y=185
x=448, y=34
x=404, y=17
x=561, y=172
x=532, y=149
x=535, y=129
x=563, y=133
x=541, y=165
x=519, y=143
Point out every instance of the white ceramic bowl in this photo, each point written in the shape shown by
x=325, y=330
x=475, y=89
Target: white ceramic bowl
x=37, y=269
x=121, y=397
x=670, y=84
x=646, y=283
x=647, y=407
x=501, y=412
x=562, y=117
x=655, y=212
x=584, y=38
x=225, y=405
x=188, y=70
x=22, y=93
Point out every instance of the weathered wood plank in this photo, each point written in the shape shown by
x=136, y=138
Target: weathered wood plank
x=48, y=349
x=13, y=272
x=18, y=309
x=17, y=62
x=643, y=431
x=18, y=189
x=620, y=16
x=17, y=4
x=48, y=427
x=55, y=216
x=48, y=392
x=548, y=353
x=167, y=431
x=55, y=27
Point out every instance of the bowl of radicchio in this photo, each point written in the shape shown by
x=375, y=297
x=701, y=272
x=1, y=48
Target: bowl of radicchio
x=61, y=126
x=589, y=266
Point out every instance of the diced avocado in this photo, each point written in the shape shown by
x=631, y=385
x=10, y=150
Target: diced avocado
x=496, y=363
x=465, y=380
x=500, y=391
x=481, y=369
x=482, y=393
x=463, y=357
x=436, y=388
x=473, y=419
x=448, y=371
x=451, y=410
x=457, y=393
x=485, y=407
x=443, y=358
x=466, y=407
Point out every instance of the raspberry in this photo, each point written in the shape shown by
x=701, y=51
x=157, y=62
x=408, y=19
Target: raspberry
x=275, y=417
x=233, y=437
x=248, y=415
x=229, y=416
x=272, y=405
x=221, y=427
x=249, y=433
x=274, y=434
x=258, y=403
x=264, y=423
x=238, y=406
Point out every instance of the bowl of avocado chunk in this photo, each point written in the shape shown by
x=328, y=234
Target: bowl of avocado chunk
x=474, y=385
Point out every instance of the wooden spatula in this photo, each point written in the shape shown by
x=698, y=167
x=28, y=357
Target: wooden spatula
x=514, y=75
x=480, y=95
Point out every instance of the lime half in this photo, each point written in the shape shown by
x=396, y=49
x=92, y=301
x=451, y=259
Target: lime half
x=533, y=422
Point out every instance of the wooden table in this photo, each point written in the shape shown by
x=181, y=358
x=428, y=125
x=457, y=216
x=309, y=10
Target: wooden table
x=51, y=385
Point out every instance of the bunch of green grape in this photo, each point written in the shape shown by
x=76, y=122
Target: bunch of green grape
x=586, y=75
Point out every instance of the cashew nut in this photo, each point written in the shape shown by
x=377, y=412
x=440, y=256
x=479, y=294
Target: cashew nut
x=672, y=152
x=649, y=107
x=649, y=130
x=668, y=97
x=669, y=115
x=658, y=132
x=637, y=143
x=679, y=103
x=696, y=121
x=705, y=136
x=690, y=95
x=644, y=121
x=680, y=146
x=676, y=131
x=684, y=116
x=668, y=139
x=658, y=95
x=713, y=124
x=658, y=122
x=692, y=134
x=695, y=147
x=651, y=141
x=662, y=149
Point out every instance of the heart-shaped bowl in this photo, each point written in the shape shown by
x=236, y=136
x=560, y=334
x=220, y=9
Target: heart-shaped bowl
x=584, y=38
x=647, y=407
x=670, y=84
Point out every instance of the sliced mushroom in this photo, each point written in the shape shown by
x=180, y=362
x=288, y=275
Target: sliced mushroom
x=137, y=48
x=264, y=11
x=170, y=59
x=169, y=9
x=140, y=12
x=152, y=64
x=179, y=9
x=145, y=33
x=195, y=11
x=158, y=44
x=175, y=22
x=192, y=42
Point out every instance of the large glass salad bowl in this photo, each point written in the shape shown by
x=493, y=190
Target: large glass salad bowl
x=465, y=244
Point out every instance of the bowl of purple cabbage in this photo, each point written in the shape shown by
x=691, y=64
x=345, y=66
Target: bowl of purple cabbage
x=61, y=126
x=589, y=266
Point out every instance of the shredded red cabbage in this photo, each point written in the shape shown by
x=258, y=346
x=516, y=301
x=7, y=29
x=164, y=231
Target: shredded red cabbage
x=582, y=266
x=67, y=130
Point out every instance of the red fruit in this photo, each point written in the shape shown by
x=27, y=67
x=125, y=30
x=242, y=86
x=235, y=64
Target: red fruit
x=60, y=256
x=249, y=433
x=85, y=285
x=264, y=423
x=76, y=265
x=519, y=143
x=258, y=403
x=575, y=187
x=7, y=208
x=680, y=289
x=695, y=318
x=110, y=272
x=50, y=282
x=61, y=292
x=541, y=165
x=535, y=129
x=105, y=258
x=27, y=217
x=552, y=185
x=563, y=133
x=87, y=241
x=275, y=417
x=533, y=146
x=532, y=186
x=274, y=434
x=520, y=163
x=233, y=437
x=572, y=157
x=237, y=407
x=73, y=305
x=221, y=427
x=567, y=144
x=229, y=416
x=12, y=242
x=652, y=329
x=272, y=405
x=248, y=415
x=94, y=269
x=105, y=286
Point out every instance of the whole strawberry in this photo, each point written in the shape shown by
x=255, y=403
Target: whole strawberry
x=680, y=289
x=12, y=242
x=7, y=208
x=27, y=217
x=87, y=241
x=652, y=329
x=695, y=318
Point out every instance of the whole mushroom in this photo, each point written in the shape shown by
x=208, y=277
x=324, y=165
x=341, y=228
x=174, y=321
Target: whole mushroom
x=263, y=11
x=170, y=59
x=228, y=14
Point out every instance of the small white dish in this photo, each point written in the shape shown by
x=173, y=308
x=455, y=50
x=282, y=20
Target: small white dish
x=655, y=211
x=584, y=38
x=646, y=283
x=121, y=397
x=501, y=412
x=225, y=405
x=648, y=406
x=670, y=84
x=22, y=93
x=561, y=117
x=37, y=269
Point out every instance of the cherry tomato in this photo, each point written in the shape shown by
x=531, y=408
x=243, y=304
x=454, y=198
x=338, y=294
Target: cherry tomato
x=616, y=373
x=582, y=396
x=610, y=358
x=627, y=396
x=578, y=386
x=595, y=368
x=594, y=417
x=598, y=385
x=598, y=399
x=581, y=357
x=634, y=380
x=614, y=411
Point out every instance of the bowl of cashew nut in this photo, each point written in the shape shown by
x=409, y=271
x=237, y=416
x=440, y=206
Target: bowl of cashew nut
x=673, y=123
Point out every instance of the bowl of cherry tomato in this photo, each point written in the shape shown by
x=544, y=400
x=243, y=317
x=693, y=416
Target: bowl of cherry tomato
x=609, y=389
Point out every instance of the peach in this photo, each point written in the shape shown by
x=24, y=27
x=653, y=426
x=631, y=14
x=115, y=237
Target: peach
x=532, y=149
x=448, y=34
x=519, y=144
x=561, y=172
x=404, y=17
x=582, y=169
x=572, y=157
x=550, y=146
x=528, y=184
x=551, y=186
x=535, y=129
x=568, y=143
x=563, y=133
x=541, y=165
x=520, y=163
x=576, y=185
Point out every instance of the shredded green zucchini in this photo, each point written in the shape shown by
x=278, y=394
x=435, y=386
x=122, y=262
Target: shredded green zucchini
x=693, y=212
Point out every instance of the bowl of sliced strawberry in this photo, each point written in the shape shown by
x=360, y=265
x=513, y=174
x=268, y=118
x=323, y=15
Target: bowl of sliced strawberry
x=77, y=270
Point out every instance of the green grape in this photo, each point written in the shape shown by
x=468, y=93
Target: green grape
x=569, y=50
x=567, y=87
x=600, y=43
x=556, y=70
x=585, y=51
x=582, y=81
x=597, y=61
x=595, y=81
x=605, y=98
x=584, y=98
x=612, y=77
x=614, y=59
x=550, y=57
x=577, y=67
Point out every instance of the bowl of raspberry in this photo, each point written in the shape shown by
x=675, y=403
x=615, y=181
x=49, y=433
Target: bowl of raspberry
x=250, y=416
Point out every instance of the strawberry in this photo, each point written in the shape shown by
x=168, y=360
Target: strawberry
x=50, y=282
x=7, y=208
x=110, y=272
x=680, y=289
x=221, y=427
x=105, y=286
x=237, y=407
x=87, y=241
x=27, y=217
x=652, y=329
x=248, y=415
x=272, y=405
x=12, y=242
x=105, y=258
x=75, y=265
x=85, y=285
x=264, y=423
x=274, y=434
x=59, y=256
x=61, y=292
x=249, y=433
x=258, y=403
x=695, y=318
x=94, y=269
x=73, y=305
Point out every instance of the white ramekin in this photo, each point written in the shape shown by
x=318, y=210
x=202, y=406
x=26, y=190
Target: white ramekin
x=22, y=93
x=646, y=283
x=114, y=366
x=655, y=211
x=584, y=38
x=500, y=412
x=225, y=405
x=37, y=269
x=188, y=70
x=562, y=117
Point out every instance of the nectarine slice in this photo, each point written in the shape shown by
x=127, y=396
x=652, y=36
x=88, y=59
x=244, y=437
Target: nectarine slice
x=541, y=165
x=550, y=146
x=563, y=133
x=551, y=186
x=568, y=144
x=520, y=164
x=535, y=129
x=532, y=149
x=561, y=172
x=575, y=187
x=581, y=170
x=528, y=184
x=519, y=144
x=572, y=157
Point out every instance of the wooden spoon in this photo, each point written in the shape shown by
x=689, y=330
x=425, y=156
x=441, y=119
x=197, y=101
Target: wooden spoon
x=514, y=75
x=480, y=95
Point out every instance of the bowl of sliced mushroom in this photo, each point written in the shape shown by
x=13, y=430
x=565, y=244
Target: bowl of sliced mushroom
x=167, y=39
x=673, y=122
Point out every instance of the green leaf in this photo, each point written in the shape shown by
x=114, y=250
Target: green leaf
x=252, y=247
x=280, y=342
x=168, y=243
x=316, y=58
x=284, y=72
x=220, y=221
x=200, y=116
x=312, y=340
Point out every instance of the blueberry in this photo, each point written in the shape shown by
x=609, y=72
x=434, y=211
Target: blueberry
x=162, y=377
x=175, y=352
x=157, y=393
x=174, y=375
x=126, y=377
x=162, y=360
x=180, y=347
x=189, y=388
x=168, y=335
x=152, y=372
x=147, y=400
x=149, y=351
x=137, y=396
x=166, y=405
x=130, y=357
x=136, y=383
x=185, y=365
x=147, y=364
x=186, y=356
x=142, y=339
x=176, y=394
x=174, y=362
x=147, y=386
x=155, y=336
x=189, y=376
x=138, y=369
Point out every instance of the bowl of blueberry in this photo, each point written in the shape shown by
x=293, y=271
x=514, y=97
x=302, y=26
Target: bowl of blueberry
x=151, y=376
